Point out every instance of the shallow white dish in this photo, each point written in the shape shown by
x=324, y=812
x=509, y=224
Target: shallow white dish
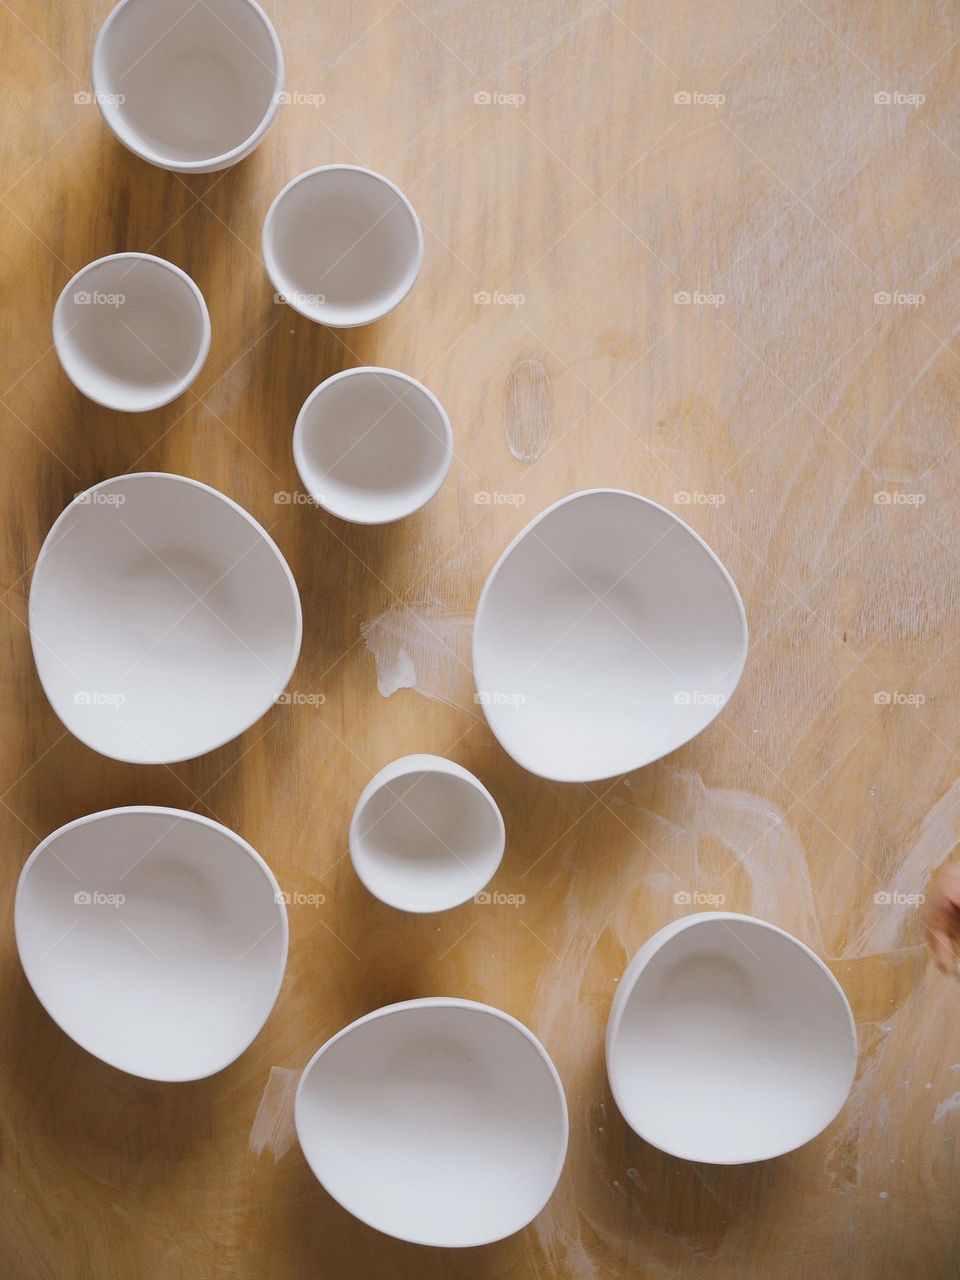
x=164, y=620
x=155, y=938
x=729, y=1041
x=342, y=245
x=132, y=331
x=372, y=445
x=192, y=87
x=439, y=1121
x=608, y=634
x=426, y=835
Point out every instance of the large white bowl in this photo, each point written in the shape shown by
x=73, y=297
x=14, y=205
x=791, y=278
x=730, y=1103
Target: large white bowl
x=729, y=1041
x=342, y=245
x=608, y=634
x=372, y=445
x=164, y=620
x=132, y=331
x=190, y=85
x=156, y=938
x=440, y=1121
x=426, y=835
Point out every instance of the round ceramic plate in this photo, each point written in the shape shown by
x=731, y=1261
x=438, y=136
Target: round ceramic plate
x=608, y=634
x=156, y=938
x=163, y=618
x=729, y=1041
x=441, y=1122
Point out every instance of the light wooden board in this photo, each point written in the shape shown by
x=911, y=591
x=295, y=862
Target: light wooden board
x=784, y=409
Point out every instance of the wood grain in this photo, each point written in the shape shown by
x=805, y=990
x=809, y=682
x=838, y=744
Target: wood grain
x=769, y=411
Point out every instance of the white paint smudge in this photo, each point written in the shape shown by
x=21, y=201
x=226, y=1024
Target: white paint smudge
x=945, y=1107
x=273, y=1127
x=424, y=647
x=528, y=410
x=886, y=922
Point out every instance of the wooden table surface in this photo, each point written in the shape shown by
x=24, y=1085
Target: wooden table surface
x=721, y=272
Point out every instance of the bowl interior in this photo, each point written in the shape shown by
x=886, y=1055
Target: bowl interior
x=343, y=246
x=427, y=840
x=439, y=1124
x=131, y=332
x=372, y=446
x=734, y=1045
x=164, y=621
x=608, y=636
x=187, y=82
x=154, y=939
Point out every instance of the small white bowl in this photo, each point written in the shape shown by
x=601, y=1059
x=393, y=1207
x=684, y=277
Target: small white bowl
x=608, y=634
x=442, y=1122
x=342, y=245
x=729, y=1041
x=426, y=835
x=155, y=938
x=188, y=86
x=132, y=331
x=164, y=620
x=372, y=445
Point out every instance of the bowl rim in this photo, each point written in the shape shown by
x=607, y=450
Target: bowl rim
x=270, y=258
x=365, y=371
x=177, y=814
x=51, y=540
x=442, y=1002
x=631, y=977
x=524, y=762
x=113, y=116
x=402, y=767
x=60, y=330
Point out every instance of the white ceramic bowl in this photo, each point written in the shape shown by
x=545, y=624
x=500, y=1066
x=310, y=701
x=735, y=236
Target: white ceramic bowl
x=164, y=620
x=155, y=938
x=426, y=835
x=132, y=331
x=608, y=634
x=442, y=1122
x=342, y=245
x=372, y=445
x=729, y=1041
x=190, y=86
